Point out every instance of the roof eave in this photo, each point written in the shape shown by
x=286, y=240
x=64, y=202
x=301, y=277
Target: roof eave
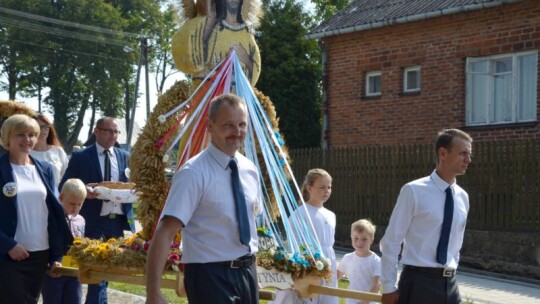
x=406, y=19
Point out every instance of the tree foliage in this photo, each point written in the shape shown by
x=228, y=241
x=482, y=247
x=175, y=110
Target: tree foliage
x=79, y=69
x=325, y=9
x=291, y=71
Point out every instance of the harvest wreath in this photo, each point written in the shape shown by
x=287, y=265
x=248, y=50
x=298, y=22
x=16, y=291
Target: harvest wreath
x=8, y=108
x=147, y=173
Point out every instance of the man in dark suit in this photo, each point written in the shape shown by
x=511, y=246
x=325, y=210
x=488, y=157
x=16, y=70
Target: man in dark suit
x=104, y=219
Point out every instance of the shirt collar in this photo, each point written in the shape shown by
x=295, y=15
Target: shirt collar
x=439, y=182
x=222, y=158
x=100, y=150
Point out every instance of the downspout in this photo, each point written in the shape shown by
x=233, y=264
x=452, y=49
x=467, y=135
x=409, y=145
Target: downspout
x=324, y=101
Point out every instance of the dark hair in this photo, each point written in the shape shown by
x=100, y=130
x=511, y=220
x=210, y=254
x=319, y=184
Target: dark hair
x=52, y=138
x=99, y=122
x=221, y=10
x=445, y=137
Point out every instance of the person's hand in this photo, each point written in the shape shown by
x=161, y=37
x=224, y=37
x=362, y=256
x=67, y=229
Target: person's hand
x=390, y=298
x=156, y=299
x=91, y=194
x=18, y=253
x=53, y=267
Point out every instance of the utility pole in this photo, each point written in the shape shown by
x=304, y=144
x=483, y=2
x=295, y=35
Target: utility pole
x=143, y=58
x=144, y=46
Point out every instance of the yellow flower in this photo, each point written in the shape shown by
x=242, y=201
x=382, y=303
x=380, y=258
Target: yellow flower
x=104, y=246
x=111, y=240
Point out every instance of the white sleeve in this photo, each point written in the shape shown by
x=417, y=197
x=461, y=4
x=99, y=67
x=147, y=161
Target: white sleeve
x=390, y=244
x=377, y=266
x=184, y=196
x=342, y=266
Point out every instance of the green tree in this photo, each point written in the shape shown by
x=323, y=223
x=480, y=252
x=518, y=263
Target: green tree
x=162, y=64
x=325, y=9
x=291, y=71
x=81, y=68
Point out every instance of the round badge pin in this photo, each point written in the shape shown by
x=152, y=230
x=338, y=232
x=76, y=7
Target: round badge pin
x=10, y=189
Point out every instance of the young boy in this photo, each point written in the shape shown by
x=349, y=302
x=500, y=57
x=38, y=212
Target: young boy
x=65, y=289
x=362, y=267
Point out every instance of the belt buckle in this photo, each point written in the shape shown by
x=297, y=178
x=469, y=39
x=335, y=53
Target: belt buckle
x=448, y=272
x=112, y=216
x=234, y=264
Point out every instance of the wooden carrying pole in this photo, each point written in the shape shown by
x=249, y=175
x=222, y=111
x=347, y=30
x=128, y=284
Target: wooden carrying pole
x=344, y=293
x=89, y=275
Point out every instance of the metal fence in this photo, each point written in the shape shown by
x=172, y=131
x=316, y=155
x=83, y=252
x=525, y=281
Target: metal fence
x=503, y=181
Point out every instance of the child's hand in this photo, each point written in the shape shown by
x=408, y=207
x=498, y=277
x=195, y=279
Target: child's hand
x=53, y=267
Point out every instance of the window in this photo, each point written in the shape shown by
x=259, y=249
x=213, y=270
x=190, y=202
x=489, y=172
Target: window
x=411, y=79
x=373, y=83
x=501, y=89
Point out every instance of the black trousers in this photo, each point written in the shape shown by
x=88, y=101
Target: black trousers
x=417, y=287
x=20, y=282
x=220, y=284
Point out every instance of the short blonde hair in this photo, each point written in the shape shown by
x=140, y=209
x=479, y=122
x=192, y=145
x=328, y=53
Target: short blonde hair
x=74, y=187
x=364, y=225
x=230, y=99
x=17, y=123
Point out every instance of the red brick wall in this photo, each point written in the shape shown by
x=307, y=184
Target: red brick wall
x=440, y=46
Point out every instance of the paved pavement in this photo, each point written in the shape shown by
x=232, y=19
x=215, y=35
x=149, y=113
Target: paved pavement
x=482, y=287
x=490, y=289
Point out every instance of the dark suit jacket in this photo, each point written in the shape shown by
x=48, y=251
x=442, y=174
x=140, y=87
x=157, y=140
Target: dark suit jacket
x=84, y=165
x=60, y=238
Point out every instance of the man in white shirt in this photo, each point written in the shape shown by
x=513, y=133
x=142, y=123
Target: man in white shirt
x=219, y=256
x=418, y=220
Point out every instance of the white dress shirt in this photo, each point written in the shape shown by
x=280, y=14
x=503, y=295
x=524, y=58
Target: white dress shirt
x=201, y=197
x=416, y=222
x=109, y=207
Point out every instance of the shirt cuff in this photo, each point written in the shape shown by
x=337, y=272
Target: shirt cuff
x=388, y=287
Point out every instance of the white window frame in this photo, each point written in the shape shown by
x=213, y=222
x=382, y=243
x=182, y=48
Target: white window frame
x=370, y=75
x=406, y=70
x=488, y=93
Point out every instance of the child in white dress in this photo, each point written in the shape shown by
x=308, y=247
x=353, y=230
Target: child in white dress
x=362, y=267
x=316, y=191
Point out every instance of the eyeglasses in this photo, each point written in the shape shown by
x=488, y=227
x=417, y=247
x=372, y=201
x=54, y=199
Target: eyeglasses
x=110, y=131
x=44, y=127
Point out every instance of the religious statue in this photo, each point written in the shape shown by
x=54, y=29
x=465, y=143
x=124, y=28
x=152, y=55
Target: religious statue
x=212, y=29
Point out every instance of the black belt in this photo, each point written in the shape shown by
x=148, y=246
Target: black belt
x=241, y=262
x=441, y=272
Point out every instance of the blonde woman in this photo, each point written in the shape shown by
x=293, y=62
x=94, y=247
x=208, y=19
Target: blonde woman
x=33, y=230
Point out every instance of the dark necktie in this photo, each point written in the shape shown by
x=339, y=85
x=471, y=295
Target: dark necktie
x=442, y=247
x=240, y=200
x=107, y=170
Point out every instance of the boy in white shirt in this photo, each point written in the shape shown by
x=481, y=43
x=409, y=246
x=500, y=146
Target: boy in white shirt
x=363, y=266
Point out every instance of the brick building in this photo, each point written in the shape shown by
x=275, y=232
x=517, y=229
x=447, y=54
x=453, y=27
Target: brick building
x=397, y=71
